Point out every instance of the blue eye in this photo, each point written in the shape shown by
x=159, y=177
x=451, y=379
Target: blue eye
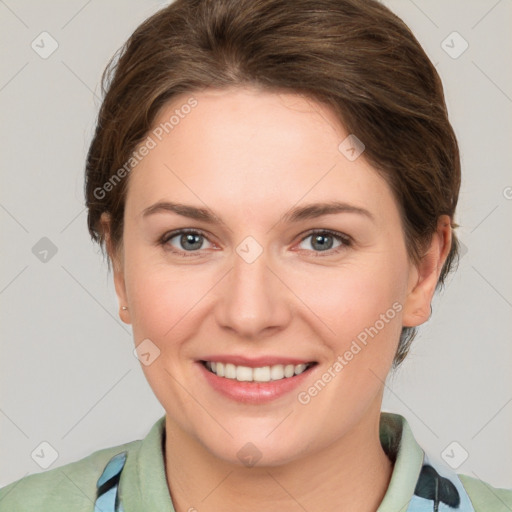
x=323, y=241
x=187, y=240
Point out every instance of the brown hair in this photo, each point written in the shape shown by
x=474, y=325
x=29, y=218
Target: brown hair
x=355, y=56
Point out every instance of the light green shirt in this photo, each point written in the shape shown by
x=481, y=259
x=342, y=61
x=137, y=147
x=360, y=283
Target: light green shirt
x=143, y=484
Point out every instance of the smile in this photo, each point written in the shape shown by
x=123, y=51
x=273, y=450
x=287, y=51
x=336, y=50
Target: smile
x=258, y=374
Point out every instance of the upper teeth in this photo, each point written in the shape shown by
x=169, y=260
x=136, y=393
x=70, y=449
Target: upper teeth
x=260, y=374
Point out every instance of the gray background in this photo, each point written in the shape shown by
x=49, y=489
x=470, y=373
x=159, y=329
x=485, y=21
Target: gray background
x=67, y=372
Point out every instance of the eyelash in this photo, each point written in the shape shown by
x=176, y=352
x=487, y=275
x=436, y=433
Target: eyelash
x=345, y=239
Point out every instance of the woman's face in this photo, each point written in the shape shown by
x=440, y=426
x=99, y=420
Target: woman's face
x=250, y=175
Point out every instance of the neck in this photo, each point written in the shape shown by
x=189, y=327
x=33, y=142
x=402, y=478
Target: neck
x=351, y=474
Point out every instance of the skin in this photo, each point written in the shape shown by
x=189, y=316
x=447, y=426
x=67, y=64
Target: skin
x=249, y=157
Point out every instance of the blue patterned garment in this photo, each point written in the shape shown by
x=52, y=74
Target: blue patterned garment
x=437, y=490
x=132, y=478
x=108, y=499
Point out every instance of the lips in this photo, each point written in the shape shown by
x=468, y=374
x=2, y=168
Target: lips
x=256, y=380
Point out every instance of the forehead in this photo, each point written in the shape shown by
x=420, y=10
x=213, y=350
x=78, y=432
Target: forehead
x=252, y=150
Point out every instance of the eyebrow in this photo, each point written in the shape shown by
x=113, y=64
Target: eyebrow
x=310, y=211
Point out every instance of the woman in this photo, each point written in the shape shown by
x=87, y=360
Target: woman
x=275, y=184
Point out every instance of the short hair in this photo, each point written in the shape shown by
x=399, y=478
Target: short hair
x=354, y=56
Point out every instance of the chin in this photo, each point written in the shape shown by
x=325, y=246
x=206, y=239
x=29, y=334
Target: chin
x=255, y=454
x=255, y=447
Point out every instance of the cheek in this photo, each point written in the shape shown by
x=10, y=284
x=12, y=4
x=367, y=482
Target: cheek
x=343, y=300
x=164, y=299
x=161, y=300
x=353, y=294
x=358, y=307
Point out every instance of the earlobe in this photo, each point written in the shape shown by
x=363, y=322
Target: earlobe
x=116, y=260
x=417, y=307
x=120, y=286
x=124, y=314
x=425, y=276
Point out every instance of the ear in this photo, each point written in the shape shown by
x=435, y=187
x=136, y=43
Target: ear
x=116, y=259
x=424, y=276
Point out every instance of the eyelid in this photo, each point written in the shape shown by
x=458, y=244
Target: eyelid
x=166, y=237
x=182, y=231
x=332, y=232
x=347, y=241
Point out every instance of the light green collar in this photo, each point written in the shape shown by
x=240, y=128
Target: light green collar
x=143, y=484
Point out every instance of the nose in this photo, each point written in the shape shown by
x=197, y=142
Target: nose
x=255, y=302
